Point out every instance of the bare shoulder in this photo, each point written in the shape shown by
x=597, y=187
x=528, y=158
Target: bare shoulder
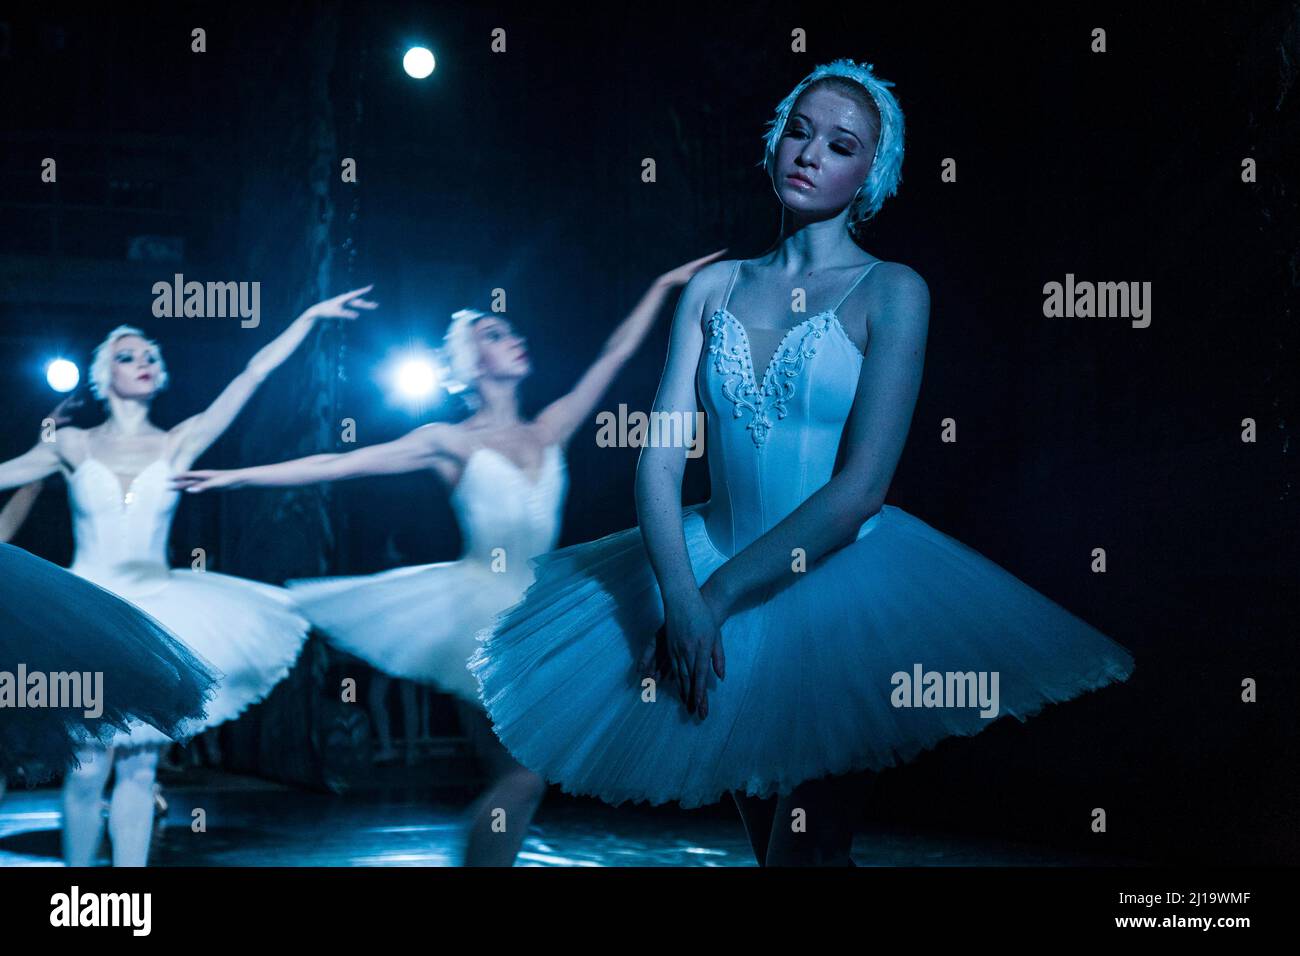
x=71, y=437
x=903, y=296
x=441, y=438
x=901, y=280
x=709, y=283
x=702, y=294
x=71, y=433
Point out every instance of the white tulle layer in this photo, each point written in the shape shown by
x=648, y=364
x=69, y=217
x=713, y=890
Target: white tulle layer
x=418, y=623
x=809, y=669
x=249, y=631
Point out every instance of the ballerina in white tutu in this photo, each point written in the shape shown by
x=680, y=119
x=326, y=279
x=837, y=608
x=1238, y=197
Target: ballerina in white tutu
x=55, y=623
x=794, y=609
x=508, y=481
x=122, y=506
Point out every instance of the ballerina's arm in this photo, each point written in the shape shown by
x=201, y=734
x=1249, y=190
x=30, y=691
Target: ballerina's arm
x=888, y=385
x=414, y=451
x=39, y=462
x=17, y=508
x=689, y=630
x=197, y=433
x=565, y=415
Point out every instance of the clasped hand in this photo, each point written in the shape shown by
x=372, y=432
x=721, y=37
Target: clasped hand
x=688, y=644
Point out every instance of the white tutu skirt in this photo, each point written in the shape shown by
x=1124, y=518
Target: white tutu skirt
x=249, y=631
x=811, y=668
x=54, y=622
x=418, y=623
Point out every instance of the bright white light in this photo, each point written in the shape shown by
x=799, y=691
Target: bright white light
x=62, y=375
x=418, y=62
x=416, y=378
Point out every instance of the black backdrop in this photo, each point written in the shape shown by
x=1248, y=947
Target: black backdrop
x=521, y=171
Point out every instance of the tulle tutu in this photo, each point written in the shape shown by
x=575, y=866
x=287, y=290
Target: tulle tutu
x=53, y=621
x=809, y=668
x=250, y=631
x=417, y=623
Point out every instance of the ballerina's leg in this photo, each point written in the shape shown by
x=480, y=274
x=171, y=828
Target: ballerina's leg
x=83, y=794
x=130, y=815
x=757, y=813
x=378, y=694
x=410, y=720
x=814, y=823
x=499, y=819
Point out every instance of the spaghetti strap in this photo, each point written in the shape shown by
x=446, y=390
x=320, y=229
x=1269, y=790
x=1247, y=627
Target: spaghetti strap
x=865, y=273
x=735, y=271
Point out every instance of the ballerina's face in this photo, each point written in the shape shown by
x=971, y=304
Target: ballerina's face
x=824, y=153
x=137, y=368
x=502, y=352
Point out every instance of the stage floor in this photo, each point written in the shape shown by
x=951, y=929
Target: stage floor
x=254, y=823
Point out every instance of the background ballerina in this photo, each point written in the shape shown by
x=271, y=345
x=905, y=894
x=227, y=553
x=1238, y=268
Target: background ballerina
x=783, y=608
x=508, y=481
x=117, y=474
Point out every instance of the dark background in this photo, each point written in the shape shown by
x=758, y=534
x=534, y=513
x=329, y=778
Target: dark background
x=522, y=171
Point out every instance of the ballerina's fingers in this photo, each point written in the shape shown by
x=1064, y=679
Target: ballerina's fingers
x=699, y=679
x=719, y=657
x=193, y=481
x=681, y=676
x=647, y=663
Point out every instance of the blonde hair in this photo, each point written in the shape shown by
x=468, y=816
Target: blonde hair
x=101, y=363
x=460, y=357
x=886, y=167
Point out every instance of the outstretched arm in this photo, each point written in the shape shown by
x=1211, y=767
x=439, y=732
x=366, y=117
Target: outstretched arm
x=196, y=434
x=566, y=414
x=42, y=460
x=39, y=462
x=414, y=451
x=889, y=383
x=17, y=508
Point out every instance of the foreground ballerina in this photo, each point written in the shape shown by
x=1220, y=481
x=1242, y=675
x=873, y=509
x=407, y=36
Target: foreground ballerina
x=792, y=610
x=117, y=476
x=508, y=481
x=59, y=632
x=54, y=623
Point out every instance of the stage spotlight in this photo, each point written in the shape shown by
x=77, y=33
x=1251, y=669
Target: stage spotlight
x=62, y=375
x=415, y=378
x=418, y=62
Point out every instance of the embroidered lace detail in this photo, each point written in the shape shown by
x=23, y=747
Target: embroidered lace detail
x=734, y=362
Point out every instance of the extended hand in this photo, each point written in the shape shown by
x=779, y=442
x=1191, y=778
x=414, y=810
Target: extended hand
x=682, y=274
x=205, y=480
x=343, y=306
x=61, y=410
